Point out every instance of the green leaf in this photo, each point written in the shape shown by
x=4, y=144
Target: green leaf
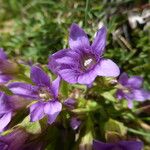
x=33, y=127
x=64, y=89
x=109, y=95
x=112, y=136
x=115, y=126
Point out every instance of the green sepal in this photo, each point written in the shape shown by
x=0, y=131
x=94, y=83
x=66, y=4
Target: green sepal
x=34, y=127
x=109, y=95
x=115, y=126
x=5, y=90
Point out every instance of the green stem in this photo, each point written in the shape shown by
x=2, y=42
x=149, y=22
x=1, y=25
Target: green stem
x=138, y=132
x=86, y=12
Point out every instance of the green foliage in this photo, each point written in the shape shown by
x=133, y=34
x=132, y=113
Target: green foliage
x=31, y=127
x=115, y=126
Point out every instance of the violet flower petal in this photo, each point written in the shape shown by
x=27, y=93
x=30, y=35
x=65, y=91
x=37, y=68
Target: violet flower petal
x=39, y=77
x=69, y=75
x=78, y=39
x=70, y=102
x=13, y=140
x=75, y=123
x=3, y=55
x=120, y=94
x=4, y=120
x=5, y=106
x=130, y=104
x=52, y=109
x=87, y=77
x=55, y=86
x=107, y=68
x=140, y=94
x=123, y=79
x=37, y=111
x=3, y=146
x=131, y=145
x=122, y=145
x=65, y=56
x=99, y=43
x=129, y=97
x=135, y=82
x=98, y=145
x=24, y=89
x=4, y=78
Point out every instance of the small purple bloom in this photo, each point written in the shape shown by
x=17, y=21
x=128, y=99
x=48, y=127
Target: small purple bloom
x=75, y=123
x=70, y=103
x=43, y=91
x=14, y=140
x=122, y=145
x=131, y=89
x=82, y=62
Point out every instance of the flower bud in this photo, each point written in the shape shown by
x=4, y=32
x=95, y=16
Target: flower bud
x=13, y=140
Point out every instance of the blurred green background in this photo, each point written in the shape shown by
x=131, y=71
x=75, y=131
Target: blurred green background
x=34, y=29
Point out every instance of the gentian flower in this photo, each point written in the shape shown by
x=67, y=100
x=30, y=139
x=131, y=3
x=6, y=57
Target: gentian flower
x=131, y=89
x=44, y=92
x=82, y=62
x=7, y=68
x=122, y=145
x=14, y=140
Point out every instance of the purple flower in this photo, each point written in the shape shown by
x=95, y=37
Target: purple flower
x=43, y=91
x=75, y=123
x=70, y=103
x=7, y=68
x=82, y=62
x=122, y=145
x=131, y=89
x=14, y=140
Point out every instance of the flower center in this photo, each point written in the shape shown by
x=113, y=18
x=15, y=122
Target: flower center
x=45, y=94
x=124, y=89
x=88, y=63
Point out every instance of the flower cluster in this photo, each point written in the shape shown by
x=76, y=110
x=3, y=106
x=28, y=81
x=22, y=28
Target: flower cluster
x=81, y=63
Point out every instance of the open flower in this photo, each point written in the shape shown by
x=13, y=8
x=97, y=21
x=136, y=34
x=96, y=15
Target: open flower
x=7, y=68
x=122, y=145
x=44, y=92
x=131, y=89
x=82, y=62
